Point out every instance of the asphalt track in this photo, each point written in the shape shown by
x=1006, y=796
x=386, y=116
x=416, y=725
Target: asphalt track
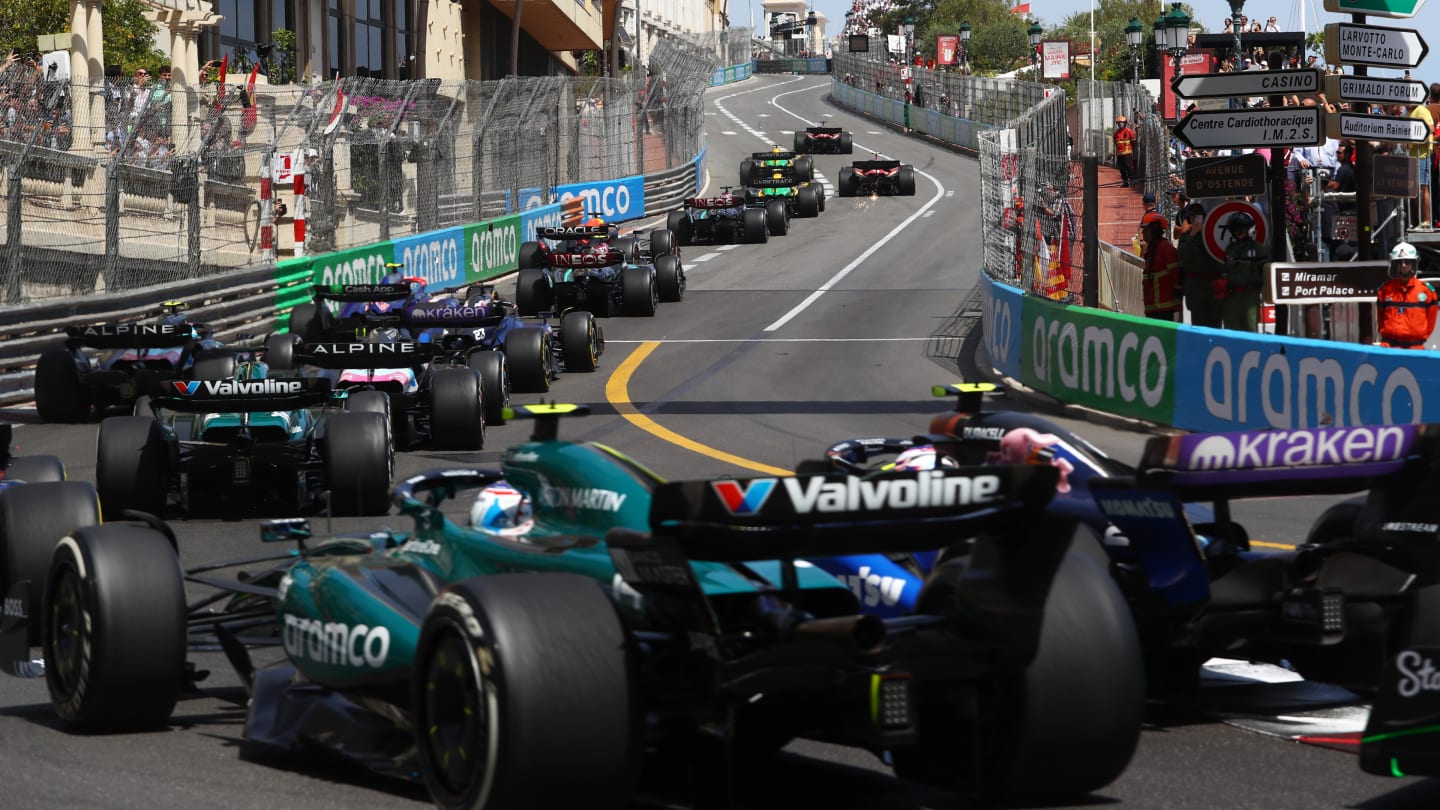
x=835, y=330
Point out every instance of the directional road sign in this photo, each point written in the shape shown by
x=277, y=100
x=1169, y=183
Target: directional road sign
x=1376, y=8
x=1248, y=83
x=1373, y=45
x=1326, y=282
x=1377, y=128
x=1369, y=88
x=1222, y=129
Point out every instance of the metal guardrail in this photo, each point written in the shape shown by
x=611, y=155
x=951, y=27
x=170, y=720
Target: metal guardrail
x=234, y=304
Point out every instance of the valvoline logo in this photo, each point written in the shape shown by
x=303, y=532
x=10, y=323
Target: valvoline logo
x=185, y=389
x=747, y=500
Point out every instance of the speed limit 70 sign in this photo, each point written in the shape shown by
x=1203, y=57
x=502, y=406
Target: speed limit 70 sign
x=1217, y=235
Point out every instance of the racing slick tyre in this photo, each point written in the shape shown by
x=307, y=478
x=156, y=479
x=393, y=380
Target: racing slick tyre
x=580, y=339
x=33, y=518
x=59, y=396
x=847, y=144
x=532, y=294
x=905, y=180
x=306, y=322
x=374, y=402
x=114, y=628
x=777, y=218
x=678, y=223
x=214, y=364
x=280, y=352
x=1072, y=713
x=802, y=143
x=531, y=255
x=143, y=407
x=637, y=291
x=496, y=672
x=132, y=465
x=359, y=462
x=457, y=414
x=670, y=278
x=804, y=169
x=662, y=242
x=820, y=192
x=808, y=202
x=752, y=226
x=527, y=351
x=494, y=383
x=35, y=469
x=747, y=171
x=1336, y=523
x=845, y=186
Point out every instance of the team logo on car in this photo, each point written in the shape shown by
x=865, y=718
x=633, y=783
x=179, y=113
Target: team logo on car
x=747, y=500
x=238, y=388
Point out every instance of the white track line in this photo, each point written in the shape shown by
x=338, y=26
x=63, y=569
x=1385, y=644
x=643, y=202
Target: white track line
x=879, y=243
x=776, y=340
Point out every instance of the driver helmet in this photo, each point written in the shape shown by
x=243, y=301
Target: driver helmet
x=922, y=457
x=1239, y=223
x=502, y=509
x=589, y=223
x=1403, y=260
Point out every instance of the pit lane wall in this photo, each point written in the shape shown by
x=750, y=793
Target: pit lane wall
x=1132, y=367
x=730, y=75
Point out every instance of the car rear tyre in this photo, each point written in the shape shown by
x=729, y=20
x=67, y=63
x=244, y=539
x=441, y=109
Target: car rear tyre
x=1072, y=713
x=114, y=628
x=531, y=255
x=804, y=169
x=637, y=291
x=670, y=278
x=847, y=143
x=845, y=186
x=532, y=294
x=496, y=711
x=33, y=518
x=679, y=224
x=359, y=462
x=59, y=396
x=494, y=383
x=777, y=218
x=1337, y=522
x=527, y=351
x=905, y=179
x=132, y=465
x=752, y=224
x=304, y=322
x=35, y=469
x=457, y=415
x=579, y=339
x=662, y=242
x=802, y=142
x=808, y=202
x=747, y=172
x=280, y=351
x=214, y=364
x=372, y=402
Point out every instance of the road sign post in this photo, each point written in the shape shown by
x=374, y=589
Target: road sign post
x=1373, y=46
x=1395, y=9
x=1376, y=90
x=1247, y=83
x=1326, y=282
x=1377, y=128
x=1238, y=176
x=1224, y=129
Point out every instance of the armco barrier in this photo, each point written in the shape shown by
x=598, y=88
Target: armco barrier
x=958, y=131
x=1128, y=366
x=730, y=75
x=810, y=65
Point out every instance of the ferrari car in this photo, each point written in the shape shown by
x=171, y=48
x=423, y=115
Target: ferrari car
x=884, y=177
x=823, y=139
x=597, y=276
x=234, y=444
x=1194, y=584
x=105, y=365
x=587, y=615
x=763, y=164
x=723, y=218
x=800, y=198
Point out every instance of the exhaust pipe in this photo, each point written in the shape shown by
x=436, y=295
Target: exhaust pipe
x=860, y=633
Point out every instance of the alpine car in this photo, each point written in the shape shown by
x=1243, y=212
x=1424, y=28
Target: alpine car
x=799, y=198
x=723, y=218
x=106, y=365
x=764, y=164
x=589, y=614
x=231, y=446
x=884, y=177
x=823, y=139
x=598, y=278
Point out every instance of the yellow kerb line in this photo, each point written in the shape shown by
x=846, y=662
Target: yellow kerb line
x=617, y=393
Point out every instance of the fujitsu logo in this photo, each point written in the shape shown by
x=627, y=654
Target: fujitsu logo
x=1298, y=448
x=238, y=388
x=1417, y=674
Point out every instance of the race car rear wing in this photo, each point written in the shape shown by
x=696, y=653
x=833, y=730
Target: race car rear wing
x=824, y=130
x=131, y=335
x=609, y=258
x=250, y=396
x=441, y=315
x=361, y=293
x=1304, y=461
x=828, y=515
x=574, y=232
x=724, y=201
x=785, y=180
x=875, y=165
x=773, y=155
x=366, y=354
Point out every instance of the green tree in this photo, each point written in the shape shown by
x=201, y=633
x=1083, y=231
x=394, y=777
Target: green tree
x=129, y=37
